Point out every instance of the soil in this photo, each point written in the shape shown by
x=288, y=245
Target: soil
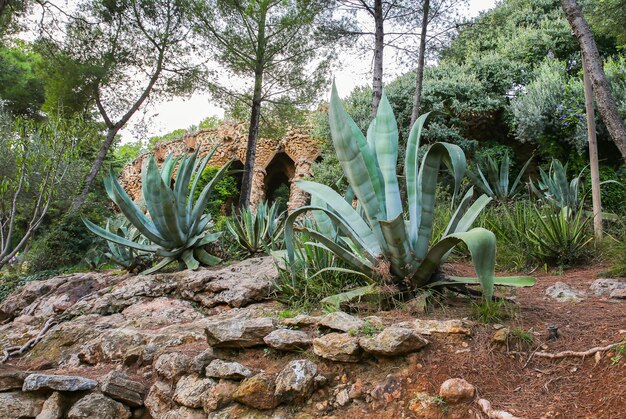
x=509, y=376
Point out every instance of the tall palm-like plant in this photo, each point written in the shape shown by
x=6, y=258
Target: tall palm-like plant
x=176, y=224
x=375, y=238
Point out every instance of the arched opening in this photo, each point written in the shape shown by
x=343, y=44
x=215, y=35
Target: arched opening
x=278, y=175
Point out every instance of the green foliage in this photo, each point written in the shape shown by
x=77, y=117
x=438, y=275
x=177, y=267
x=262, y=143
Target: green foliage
x=177, y=134
x=21, y=88
x=607, y=18
x=258, y=230
x=9, y=283
x=375, y=239
x=224, y=193
x=555, y=189
x=178, y=225
x=523, y=336
x=124, y=256
x=497, y=312
x=496, y=182
x=126, y=153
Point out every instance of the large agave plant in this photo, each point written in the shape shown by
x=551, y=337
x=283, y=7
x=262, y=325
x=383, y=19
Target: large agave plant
x=176, y=225
x=124, y=256
x=375, y=238
x=493, y=179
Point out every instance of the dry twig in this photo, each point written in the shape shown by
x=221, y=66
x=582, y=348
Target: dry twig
x=19, y=350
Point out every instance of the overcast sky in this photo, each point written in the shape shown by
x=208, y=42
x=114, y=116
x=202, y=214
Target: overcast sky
x=161, y=118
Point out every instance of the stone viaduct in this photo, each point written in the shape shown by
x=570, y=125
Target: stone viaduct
x=278, y=162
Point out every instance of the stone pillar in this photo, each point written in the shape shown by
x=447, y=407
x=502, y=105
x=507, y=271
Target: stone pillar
x=297, y=197
x=257, y=193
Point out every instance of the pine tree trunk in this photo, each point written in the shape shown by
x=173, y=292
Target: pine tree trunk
x=602, y=92
x=379, y=39
x=253, y=131
x=420, y=64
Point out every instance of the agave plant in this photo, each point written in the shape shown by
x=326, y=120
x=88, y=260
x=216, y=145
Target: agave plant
x=555, y=189
x=257, y=230
x=125, y=256
x=496, y=183
x=375, y=238
x=176, y=224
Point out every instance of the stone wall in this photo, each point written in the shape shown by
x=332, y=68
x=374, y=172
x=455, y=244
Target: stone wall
x=289, y=158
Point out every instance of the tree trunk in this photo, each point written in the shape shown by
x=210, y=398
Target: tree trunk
x=420, y=64
x=379, y=39
x=602, y=92
x=95, y=167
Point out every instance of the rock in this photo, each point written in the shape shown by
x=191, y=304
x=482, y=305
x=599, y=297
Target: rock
x=618, y=294
x=339, y=320
x=53, y=407
x=501, y=336
x=492, y=413
x=11, y=380
x=172, y=365
x=238, y=333
x=337, y=347
x=57, y=382
x=159, y=399
x=296, y=380
x=343, y=397
x=393, y=341
x=230, y=370
x=604, y=287
x=184, y=413
x=257, y=392
x=219, y=396
x=427, y=327
x=98, y=406
x=117, y=386
x=16, y=404
x=122, y=344
x=236, y=285
x=456, y=390
x=563, y=293
x=288, y=340
x=200, y=361
x=190, y=390
x=300, y=320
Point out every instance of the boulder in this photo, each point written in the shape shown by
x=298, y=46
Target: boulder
x=501, y=336
x=57, y=382
x=11, y=380
x=563, y=293
x=337, y=347
x=296, y=380
x=393, y=341
x=172, y=365
x=456, y=390
x=257, y=392
x=604, y=287
x=300, y=320
x=117, y=386
x=238, y=333
x=190, y=390
x=159, y=399
x=184, y=413
x=98, y=406
x=230, y=370
x=288, y=340
x=219, y=396
x=341, y=321
x=16, y=404
x=54, y=407
x=200, y=361
x=618, y=294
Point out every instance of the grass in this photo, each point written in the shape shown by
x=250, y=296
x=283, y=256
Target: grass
x=496, y=312
x=524, y=336
x=368, y=330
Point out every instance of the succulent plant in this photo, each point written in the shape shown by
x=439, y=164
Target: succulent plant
x=375, y=238
x=176, y=225
x=124, y=256
x=496, y=183
x=257, y=230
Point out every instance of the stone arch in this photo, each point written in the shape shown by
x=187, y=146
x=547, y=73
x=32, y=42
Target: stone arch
x=279, y=171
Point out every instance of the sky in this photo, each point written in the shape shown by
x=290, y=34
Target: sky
x=183, y=112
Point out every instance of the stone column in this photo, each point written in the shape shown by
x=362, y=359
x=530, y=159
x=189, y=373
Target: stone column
x=297, y=197
x=257, y=193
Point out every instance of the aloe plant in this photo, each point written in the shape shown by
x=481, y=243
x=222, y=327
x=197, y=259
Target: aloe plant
x=496, y=183
x=375, y=238
x=555, y=189
x=176, y=225
x=257, y=230
x=125, y=256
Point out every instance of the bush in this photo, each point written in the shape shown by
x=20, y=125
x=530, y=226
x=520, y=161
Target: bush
x=224, y=194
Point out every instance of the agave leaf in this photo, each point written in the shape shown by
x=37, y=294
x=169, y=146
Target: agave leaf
x=162, y=264
x=107, y=235
x=508, y=281
x=201, y=203
x=517, y=183
x=411, y=171
x=386, y=143
x=206, y=258
x=352, y=295
x=401, y=255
